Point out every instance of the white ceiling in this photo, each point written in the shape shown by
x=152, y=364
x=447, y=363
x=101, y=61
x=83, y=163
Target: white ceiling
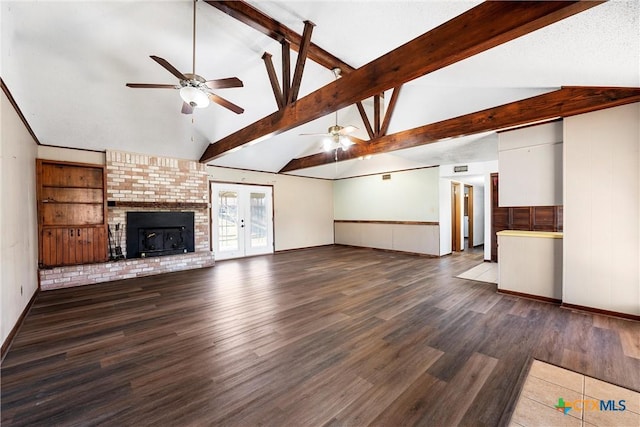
x=66, y=64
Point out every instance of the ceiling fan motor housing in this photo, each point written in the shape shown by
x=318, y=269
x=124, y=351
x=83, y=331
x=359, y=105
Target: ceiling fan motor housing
x=335, y=129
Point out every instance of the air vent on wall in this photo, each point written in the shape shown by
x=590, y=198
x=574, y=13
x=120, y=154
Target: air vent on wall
x=386, y=176
x=464, y=168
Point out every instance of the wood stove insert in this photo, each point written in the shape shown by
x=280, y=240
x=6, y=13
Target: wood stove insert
x=152, y=234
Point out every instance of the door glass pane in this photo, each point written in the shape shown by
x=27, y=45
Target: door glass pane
x=228, y=221
x=258, y=220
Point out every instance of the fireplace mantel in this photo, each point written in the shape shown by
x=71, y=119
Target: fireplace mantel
x=157, y=205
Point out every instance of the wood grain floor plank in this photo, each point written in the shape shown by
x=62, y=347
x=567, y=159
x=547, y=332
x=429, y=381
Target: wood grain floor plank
x=461, y=391
x=413, y=404
x=393, y=376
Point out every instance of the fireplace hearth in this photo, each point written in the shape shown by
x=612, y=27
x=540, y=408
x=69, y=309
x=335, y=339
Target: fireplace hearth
x=151, y=234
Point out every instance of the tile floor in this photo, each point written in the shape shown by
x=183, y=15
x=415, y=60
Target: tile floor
x=546, y=384
x=485, y=272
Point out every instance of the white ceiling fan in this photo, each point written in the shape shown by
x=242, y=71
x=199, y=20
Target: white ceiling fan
x=336, y=136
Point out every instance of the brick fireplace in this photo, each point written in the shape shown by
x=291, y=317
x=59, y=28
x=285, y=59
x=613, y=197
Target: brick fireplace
x=141, y=183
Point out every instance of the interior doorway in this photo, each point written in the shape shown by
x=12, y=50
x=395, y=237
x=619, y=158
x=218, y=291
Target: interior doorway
x=242, y=219
x=468, y=217
x=456, y=218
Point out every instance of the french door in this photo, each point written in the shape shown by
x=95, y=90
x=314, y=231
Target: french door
x=242, y=220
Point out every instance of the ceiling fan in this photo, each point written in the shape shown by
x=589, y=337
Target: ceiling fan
x=336, y=135
x=195, y=91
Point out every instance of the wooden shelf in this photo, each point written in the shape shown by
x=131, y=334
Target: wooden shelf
x=66, y=187
x=51, y=202
x=157, y=205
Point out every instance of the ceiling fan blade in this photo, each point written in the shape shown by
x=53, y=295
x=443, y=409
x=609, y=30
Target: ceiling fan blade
x=186, y=108
x=152, y=86
x=347, y=129
x=225, y=103
x=314, y=134
x=170, y=68
x=224, y=83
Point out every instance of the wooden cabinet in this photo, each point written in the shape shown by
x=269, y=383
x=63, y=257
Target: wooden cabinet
x=68, y=245
x=71, y=213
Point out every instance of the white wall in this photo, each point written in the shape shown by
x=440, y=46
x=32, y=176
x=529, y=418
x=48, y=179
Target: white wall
x=408, y=196
x=602, y=209
x=18, y=220
x=70, y=155
x=303, y=207
x=530, y=161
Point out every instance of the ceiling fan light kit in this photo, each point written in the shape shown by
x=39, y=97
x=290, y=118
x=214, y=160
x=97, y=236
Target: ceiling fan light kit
x=194, y=97
x=335, y=141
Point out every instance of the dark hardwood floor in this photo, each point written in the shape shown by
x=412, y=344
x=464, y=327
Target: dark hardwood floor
x=327, y=336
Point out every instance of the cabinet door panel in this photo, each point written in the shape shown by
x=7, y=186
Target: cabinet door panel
x=88, y=245
x=521, y=218
x=79, y=243
x=69, y=251
x=60, y=245
x=49, y=247
x=544, y=218
x=99, y=244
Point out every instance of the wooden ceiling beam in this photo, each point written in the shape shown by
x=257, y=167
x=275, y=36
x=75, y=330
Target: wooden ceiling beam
x=564, y=102
x=390, y=108
x=481, y=28
x=286, y=70
x=365, y=120
x=378, y=100
x=273, y=79
x=268, y=26
x=302, y=57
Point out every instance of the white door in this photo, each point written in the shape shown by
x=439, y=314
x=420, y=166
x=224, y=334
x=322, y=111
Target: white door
x=242, y=220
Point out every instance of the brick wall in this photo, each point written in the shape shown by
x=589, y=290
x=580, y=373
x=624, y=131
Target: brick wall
x=137, y=177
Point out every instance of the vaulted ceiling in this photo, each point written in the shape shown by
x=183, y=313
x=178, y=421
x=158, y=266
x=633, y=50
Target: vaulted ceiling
x=66, y=64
